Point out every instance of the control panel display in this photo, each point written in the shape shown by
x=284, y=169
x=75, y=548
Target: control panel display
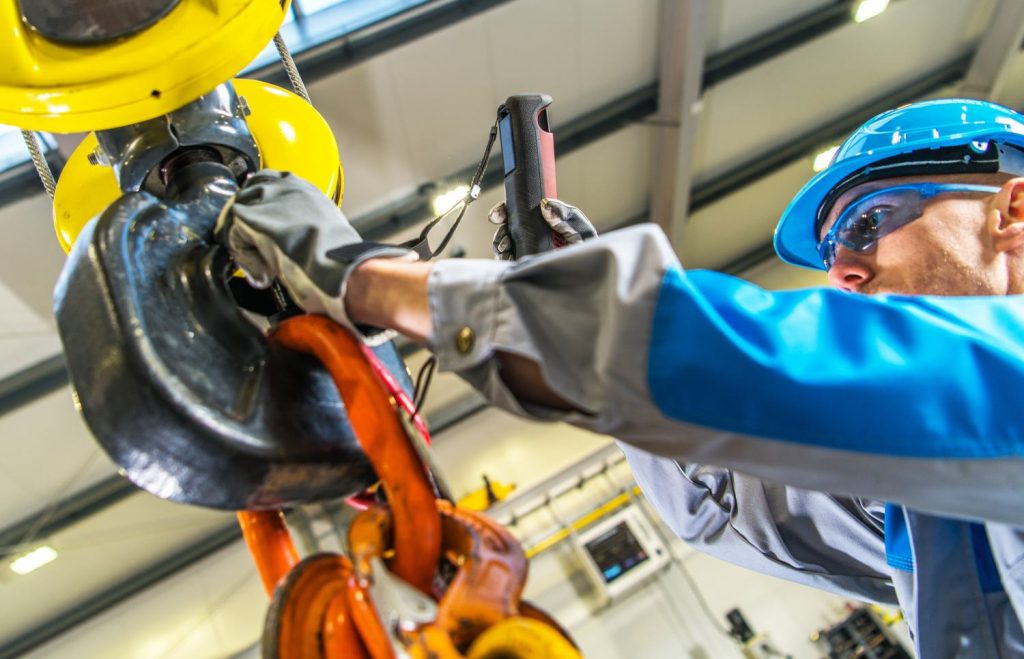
x=616, y=552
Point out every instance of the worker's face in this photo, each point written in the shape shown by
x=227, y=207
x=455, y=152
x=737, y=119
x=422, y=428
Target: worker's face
x=959, y=245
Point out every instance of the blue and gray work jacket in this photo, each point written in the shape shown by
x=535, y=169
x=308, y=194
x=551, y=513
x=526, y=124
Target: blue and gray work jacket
x=868, y=446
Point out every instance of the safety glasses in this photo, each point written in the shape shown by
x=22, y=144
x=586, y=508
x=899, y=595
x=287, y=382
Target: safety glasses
x=867, y=219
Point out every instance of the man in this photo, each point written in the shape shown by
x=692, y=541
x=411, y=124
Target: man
x=893, y=421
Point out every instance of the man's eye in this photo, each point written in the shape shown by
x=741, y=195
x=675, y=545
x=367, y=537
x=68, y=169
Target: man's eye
x=869, y=221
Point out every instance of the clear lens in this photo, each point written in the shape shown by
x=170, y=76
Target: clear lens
x=875, y=215
x=866, y=220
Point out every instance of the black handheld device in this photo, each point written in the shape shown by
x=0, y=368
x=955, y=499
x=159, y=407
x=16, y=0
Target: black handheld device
x=528, y=155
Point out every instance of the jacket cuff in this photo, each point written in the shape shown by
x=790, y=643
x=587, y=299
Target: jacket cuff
x=467, y=308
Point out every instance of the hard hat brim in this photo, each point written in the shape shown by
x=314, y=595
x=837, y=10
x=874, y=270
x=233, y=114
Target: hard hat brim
x=796, y=240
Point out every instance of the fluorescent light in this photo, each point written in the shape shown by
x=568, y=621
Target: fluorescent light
x=33, y=560
x=869, y=9
x=444, y=202
x=822, y=160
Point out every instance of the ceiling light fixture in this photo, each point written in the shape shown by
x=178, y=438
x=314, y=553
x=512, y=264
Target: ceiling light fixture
x=822, y=160
x=869, y=9
x=445, y=202
x=33, y=560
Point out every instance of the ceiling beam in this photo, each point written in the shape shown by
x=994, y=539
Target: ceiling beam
x=1001, y=43
x=167, y=566
x=588, y=128
x=777, y=40
x=415, y=208
x=683, y=25
x=32, y=382
x=804, y=145
x=64, y=513
x=351, y=48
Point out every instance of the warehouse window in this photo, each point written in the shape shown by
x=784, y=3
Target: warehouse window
x=308, y=7
x=311, y=23
x=12, y=148
x=353, y=13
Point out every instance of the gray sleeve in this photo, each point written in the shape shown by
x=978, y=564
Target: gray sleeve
x=813, y=538
x=817, y=539
x=585, y=315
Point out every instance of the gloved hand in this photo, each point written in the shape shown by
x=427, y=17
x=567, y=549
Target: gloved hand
x=568, y=223
x=281, y=226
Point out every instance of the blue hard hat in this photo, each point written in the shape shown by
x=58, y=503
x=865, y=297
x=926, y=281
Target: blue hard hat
x=945, y=136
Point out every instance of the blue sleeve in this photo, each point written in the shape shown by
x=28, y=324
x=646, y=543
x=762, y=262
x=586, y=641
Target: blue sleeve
x=912, y=400
x=921, y=377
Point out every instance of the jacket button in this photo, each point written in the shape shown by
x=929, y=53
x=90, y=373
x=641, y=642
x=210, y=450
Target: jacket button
x=464, y=340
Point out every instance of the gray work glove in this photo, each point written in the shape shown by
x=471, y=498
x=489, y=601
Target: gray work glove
x=279, y=226
x=568, y=223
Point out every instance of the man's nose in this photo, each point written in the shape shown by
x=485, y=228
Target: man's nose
x=850, y=271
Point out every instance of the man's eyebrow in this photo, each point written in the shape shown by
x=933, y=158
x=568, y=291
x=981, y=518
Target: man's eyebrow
x=862, y=191
x=833, y=215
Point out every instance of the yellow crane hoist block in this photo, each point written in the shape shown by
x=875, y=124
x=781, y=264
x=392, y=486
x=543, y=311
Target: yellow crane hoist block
x=290, y=133
x=54, y=84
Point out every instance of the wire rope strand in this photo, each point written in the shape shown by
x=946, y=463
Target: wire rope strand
x=42, y=167
x=290, y=68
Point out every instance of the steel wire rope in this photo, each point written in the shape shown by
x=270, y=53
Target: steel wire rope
x=290, y=68
x=42, y=167
x=48, y=511
x=211, y=610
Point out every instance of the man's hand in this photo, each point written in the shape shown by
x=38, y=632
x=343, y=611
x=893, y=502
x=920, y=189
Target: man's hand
x=522, y=376
x=568, y=223
x=281, y=226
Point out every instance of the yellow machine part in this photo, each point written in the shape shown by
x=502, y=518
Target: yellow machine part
x=290, y=133
x=522, y=638
x=64, y=88
x=483, y=498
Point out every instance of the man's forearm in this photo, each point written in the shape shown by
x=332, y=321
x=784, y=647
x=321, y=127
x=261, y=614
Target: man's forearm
x=394, y=294
x=391, y=293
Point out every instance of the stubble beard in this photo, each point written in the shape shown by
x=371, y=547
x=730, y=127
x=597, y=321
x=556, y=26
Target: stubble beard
x=942, y=272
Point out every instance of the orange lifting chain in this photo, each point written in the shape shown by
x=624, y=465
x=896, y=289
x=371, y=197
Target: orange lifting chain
x=424, y=578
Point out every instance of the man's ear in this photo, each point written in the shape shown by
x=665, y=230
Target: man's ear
x=1006, y=222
